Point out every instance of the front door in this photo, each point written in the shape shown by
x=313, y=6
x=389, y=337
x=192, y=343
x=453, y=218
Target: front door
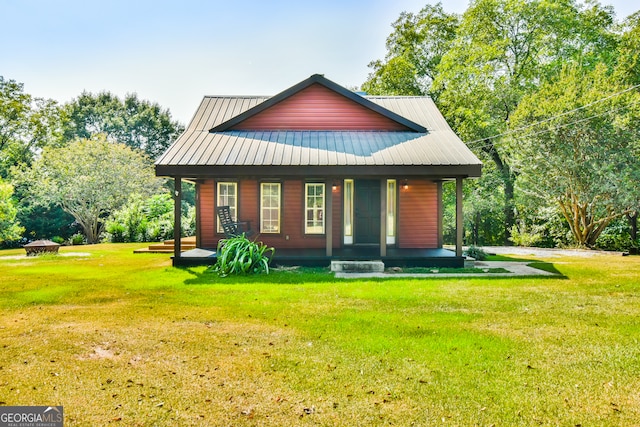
x=367, y=211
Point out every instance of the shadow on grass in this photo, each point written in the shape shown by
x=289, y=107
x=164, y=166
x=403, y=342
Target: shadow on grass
x=275, y=276
x=531, y=262
x=548, y=267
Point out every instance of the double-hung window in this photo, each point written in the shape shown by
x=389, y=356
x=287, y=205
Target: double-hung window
x=270, y=207
x=314, y=208
x=227, y=196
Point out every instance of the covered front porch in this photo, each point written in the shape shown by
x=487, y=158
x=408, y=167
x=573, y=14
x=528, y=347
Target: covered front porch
x=394, y=257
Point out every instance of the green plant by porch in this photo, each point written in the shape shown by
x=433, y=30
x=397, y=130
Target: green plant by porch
x=239, y=255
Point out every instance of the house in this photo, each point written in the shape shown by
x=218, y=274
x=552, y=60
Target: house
x=322, y=173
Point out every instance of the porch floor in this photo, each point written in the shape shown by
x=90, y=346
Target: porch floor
x=396, y=257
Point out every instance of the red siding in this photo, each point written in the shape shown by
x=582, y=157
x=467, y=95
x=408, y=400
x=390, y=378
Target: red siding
x=418, y=215
x=337, y=216
x=292, y=216
x=249, y=203
x=206, y=214
x=318, y=108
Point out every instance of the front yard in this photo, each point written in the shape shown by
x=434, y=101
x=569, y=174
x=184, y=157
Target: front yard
x=124, y=339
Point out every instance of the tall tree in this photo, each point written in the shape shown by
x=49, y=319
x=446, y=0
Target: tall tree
x=90, y=179
x=576, y=144
x=414, y=51
x=137, y=123
x=10, y=229
x=503, y=50
x=479, y=66
x=27, y=125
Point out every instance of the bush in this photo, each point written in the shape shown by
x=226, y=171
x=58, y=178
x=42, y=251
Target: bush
x=520, y=236
x=77, y=239
x=619, y=243
x=617, y=237
x=148, y=220
x=476, y=253
x=239, y=255
x=57, y=239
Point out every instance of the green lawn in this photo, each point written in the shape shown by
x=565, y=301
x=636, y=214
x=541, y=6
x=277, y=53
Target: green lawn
x=124, y=339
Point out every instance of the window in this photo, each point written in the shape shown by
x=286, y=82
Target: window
x=391, y=211
x=314, y=223
x=227, y=196
x=269, y=207
x=348, y=211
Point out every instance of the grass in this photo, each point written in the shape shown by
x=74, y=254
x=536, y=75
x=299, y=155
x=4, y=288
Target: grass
x=124, y=339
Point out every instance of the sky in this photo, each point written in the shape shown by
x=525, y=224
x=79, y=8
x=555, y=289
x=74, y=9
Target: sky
x=176, y=52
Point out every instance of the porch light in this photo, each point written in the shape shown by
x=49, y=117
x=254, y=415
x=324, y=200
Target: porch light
x=405, y=184
x=335, y=185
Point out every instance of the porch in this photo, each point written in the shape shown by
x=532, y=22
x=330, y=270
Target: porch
x=395, y=257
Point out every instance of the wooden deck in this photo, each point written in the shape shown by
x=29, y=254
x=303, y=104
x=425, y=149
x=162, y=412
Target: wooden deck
x=166, y=247
x=427, y=257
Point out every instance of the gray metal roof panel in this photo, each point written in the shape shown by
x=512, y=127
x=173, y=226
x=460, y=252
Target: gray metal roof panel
x=312, y=148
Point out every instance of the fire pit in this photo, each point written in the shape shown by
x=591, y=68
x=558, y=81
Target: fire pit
x=40, y=247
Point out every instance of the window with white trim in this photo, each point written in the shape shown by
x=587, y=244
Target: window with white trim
x=314, y=208
x=391, y=210
x=348, y=211
x=227, y=193
x=270, y=207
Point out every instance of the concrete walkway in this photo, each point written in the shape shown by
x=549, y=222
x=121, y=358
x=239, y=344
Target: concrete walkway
x=514, y=268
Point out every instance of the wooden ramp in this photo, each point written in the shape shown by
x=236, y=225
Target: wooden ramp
x=166, y=247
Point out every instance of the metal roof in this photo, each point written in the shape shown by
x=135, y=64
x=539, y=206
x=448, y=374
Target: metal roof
x=200, y=149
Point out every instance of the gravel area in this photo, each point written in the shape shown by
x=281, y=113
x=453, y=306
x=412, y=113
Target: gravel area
x=545, y=252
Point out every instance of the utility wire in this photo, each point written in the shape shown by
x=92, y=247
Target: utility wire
x=559, y=126
x=554, y=117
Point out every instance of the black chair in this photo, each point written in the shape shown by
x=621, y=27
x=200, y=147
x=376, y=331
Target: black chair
x=230, y=227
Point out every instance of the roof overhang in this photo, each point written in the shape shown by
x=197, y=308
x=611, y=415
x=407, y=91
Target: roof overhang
x=317, y=172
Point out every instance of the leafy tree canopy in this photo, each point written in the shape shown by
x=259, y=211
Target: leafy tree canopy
x=27, y=125
x=136, y=123
x=576, y=143
x=10, y=229
x=479, y=66
x=414, y=51
x=90, y=178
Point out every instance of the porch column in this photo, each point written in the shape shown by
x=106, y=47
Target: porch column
x=383, y=217
x=177, y=214
x=440, y=215
x=328, y=219
x=459, y=221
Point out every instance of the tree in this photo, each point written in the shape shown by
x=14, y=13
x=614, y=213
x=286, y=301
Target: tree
x=503, y=50
x=414, y=51
x=136, y=123
x=27, y=125
x=90, y=179
x=10, y=229
x=479, y=66
x=575, y=143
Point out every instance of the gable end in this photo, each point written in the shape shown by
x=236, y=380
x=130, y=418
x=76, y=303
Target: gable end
x=318, y=104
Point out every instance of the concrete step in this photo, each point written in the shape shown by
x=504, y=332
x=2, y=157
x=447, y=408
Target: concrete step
x=357, y=266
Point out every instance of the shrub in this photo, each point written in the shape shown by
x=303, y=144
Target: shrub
x=613, y=242
x=476, y=253
x=151, y=219
x=617, y=237
x=239, y=255
x=57, y=239
x=77, y=239
x=520, y=236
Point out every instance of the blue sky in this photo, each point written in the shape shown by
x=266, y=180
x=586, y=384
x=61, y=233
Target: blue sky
x=174, y=52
